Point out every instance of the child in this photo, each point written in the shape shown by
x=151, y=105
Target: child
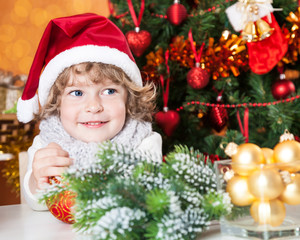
x=89, y=91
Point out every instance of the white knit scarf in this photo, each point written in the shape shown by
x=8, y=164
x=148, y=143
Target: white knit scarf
x=51, y=130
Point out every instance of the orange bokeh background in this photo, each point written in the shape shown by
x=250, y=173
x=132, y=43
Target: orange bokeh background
x=22, y=23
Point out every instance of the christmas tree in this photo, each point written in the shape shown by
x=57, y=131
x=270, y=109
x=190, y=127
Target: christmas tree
x=224, y=70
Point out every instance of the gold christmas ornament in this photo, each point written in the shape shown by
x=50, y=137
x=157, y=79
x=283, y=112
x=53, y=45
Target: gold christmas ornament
x=265, y=184
x=263, y=29
x=268, y=154
x=268, y=212
x=249, y=33
x=291, y=193
x=287, y=153
x=237, y=187
x=247, y=158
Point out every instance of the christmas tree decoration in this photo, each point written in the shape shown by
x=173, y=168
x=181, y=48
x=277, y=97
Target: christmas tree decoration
x=138, y=40
x=126, y=194
x=291, y=193
x=197, y=77
x=168, y=120
x=268, y=154
x=287, y=152
x=268, y=212
x=60, y=205
x=293, y=35
x=238, y=190
x=218, y=116
x=286, y=136
x=227, y=56
x=247, y=159
x=283, y=88
x=287, y=155
x=176, y=13
x=265, y=184
x=265, y=41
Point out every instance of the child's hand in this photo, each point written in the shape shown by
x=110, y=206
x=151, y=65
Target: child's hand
x=49, y=161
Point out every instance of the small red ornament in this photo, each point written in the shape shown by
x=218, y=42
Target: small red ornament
x=197, y=78
x=218, y=117
x=61, y=205
x=282, y=88
x=176, y=13
x=138, y=41
x=168, y=120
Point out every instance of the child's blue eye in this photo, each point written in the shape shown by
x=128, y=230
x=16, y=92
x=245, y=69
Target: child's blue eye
x=76, y=93
x=109, y=91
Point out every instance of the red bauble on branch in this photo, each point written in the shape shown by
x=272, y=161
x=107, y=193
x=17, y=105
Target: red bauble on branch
x=197, y=78
x=138, y=41
x=218, y=117
x=168, y=120
x=61, y=205
x=282, y=88
x=176, y=13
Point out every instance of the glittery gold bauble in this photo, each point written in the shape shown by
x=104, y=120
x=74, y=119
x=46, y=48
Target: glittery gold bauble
x=247, y=158
x=268, y=212
x=237, y=187
x=265, y=184
x=268, y=154
x=291, y=193
x=287, y=153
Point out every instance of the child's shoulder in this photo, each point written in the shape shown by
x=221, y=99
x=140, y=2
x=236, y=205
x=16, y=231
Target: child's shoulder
x=152, y=143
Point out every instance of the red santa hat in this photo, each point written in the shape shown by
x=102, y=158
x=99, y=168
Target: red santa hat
x=68, y=41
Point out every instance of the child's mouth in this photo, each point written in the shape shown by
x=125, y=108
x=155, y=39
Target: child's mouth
x=93, y=124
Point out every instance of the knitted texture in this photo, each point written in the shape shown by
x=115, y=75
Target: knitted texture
x=83, y=154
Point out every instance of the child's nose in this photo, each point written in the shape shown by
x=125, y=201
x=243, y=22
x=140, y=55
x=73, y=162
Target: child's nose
x=94, y=105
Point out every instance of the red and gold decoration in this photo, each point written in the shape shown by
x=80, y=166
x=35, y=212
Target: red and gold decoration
x=197, y=77
x=61, y=206
x=293, y=37
x=265, y=179
x=176, y=13
x=228, y=56
x=138, y=40
x=266, y=43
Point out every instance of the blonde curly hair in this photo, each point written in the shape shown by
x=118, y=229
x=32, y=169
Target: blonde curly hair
x=140, y=101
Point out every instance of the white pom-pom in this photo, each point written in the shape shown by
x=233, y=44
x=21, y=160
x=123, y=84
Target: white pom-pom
x=27, y=108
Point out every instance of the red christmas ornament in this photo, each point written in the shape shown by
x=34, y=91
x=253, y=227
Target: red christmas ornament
x=218, y=117
x=176, y=13
x=138, y=41
x=61, y=205
x=168, y=120
x=281, y=89
x=197, y=78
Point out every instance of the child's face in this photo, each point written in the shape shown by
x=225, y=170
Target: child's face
x=93, y=112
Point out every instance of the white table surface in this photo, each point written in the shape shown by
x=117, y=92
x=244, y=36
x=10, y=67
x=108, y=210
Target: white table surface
x=19, y=222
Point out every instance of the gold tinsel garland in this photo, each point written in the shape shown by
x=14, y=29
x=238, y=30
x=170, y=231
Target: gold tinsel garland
x=220, y=59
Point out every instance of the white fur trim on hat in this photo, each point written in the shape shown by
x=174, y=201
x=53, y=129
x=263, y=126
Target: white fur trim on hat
x=27, y=108
x=85, y=53
x=237, y=14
